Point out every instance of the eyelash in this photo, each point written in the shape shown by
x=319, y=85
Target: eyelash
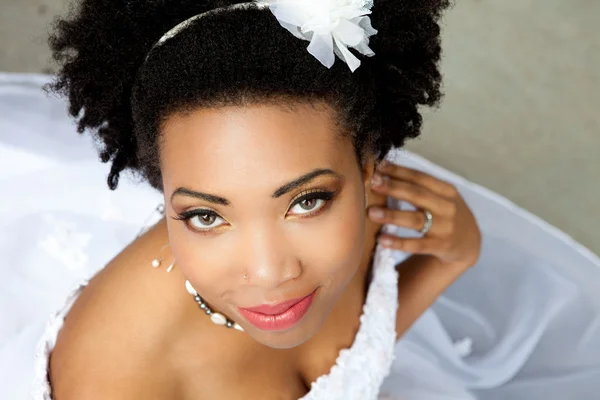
x=314, y=194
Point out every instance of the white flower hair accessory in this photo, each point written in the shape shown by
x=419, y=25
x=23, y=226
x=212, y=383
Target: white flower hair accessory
x=331, y=26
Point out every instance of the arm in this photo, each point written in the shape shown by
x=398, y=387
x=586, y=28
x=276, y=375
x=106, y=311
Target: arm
x=423, y=278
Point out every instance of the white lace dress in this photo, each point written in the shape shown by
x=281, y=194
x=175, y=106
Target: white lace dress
x=524, y=323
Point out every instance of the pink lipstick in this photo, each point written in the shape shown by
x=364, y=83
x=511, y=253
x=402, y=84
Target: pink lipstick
x=278, y=317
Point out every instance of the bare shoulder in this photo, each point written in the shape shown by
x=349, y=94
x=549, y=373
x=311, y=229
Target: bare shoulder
x=122, y=333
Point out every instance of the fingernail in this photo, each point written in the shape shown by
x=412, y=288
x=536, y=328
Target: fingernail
x=376, y=180
x=376, y=213
x=385, y=241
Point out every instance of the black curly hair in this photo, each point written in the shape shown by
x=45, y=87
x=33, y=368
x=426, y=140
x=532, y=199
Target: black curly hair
x=234, y=58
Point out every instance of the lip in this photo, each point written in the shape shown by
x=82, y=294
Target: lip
x=280, y=316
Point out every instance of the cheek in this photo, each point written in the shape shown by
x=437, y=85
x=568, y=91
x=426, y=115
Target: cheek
x=336, y=244
x=200, y=262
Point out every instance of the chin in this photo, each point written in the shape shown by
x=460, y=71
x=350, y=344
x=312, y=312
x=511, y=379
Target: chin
x=285, y=339
x=282, y=343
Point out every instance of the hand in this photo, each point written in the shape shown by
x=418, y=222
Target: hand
x=454, y=237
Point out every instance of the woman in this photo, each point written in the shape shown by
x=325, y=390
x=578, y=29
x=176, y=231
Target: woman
x=267, y=271
x=266, y=161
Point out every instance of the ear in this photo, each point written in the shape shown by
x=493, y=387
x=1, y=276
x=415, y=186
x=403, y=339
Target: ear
x=368, y=169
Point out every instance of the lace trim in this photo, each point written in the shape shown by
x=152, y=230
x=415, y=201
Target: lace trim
x=41, y=389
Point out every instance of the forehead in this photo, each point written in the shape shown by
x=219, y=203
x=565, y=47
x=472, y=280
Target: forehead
x=243, y=144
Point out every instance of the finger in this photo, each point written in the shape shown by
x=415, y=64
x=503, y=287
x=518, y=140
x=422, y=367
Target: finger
x=407, y=219
x=425, y=245
x=418, y=196
x=432, y=183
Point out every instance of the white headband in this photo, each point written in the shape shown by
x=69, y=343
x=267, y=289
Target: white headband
x=331, y=26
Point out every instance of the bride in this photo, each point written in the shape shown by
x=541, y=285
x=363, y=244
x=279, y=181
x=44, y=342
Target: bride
x=295, y=252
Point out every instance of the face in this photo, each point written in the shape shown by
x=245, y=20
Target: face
x=266, y=214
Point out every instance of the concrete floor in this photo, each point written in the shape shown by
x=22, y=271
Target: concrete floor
x=522, y=109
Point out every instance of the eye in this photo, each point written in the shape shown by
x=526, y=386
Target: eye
x=201, y=219
x=311, y=203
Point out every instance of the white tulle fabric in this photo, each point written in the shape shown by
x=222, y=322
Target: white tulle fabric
x=523, y=324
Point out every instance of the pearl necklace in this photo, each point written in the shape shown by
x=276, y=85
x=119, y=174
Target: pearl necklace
x=215, y=317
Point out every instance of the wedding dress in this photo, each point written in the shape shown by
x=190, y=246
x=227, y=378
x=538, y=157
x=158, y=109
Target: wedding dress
x=524, y=323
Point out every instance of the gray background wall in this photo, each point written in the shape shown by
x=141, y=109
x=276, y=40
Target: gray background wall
x=521, y=114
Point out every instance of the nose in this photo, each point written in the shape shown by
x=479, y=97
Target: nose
x=268, y=259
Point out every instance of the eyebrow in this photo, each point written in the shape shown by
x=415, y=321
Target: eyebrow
x=211, y=198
